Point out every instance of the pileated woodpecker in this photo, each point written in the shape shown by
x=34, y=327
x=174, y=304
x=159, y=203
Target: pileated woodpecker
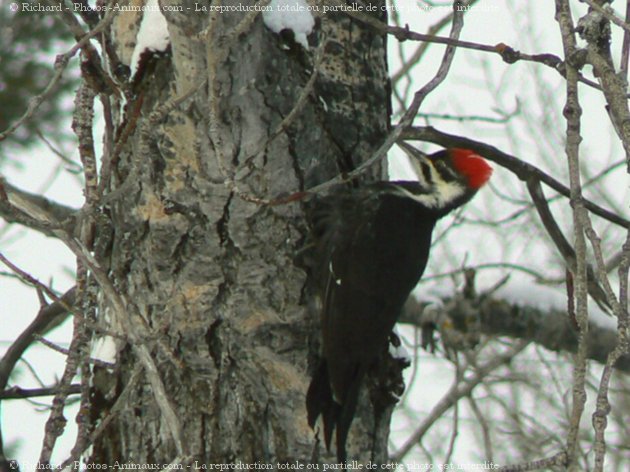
x=371, y=248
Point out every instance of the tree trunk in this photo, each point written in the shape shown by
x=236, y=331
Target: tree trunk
x=203, y=262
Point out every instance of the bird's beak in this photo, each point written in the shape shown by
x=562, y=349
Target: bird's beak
x=415, y=157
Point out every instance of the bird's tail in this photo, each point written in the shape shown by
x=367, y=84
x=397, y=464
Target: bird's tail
x=320, y=401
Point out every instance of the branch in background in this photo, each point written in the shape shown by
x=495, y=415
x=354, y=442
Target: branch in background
x=56, y=422
x=66, y=352
x=564, y=247
x=461, y=118
x=594, y=27
x=457, y=391
x=408, y=64
x=558, y=460
x=61, y=62
x=49, y=316
x=523, y=170
x=71, y=166
x=507, y=53
x=550, y=328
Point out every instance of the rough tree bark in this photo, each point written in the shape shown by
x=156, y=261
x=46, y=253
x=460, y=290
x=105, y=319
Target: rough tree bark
x=209, y=269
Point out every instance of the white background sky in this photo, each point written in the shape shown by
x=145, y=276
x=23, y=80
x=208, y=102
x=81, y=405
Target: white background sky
x=466, y=91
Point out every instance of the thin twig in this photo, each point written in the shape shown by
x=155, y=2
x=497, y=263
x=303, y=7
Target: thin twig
x=559, y=459
x=56, y=422
x=507, y=53
x=73, y=167
x=614, y=89
x=83, y=419
x=455, y=427
x=572, y=113
x=66, y=352
x=485, y=428
x=421, y=49
x=564, y=247
x=455, y=393
x=461, y=118
x=61, y=62
x=44, y=320
x=603, y=407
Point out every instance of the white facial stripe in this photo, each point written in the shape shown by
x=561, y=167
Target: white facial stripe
x=447, y=191
x=440, y=192
x=443, y=193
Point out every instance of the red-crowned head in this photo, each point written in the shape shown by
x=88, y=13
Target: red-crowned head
x=472, y=166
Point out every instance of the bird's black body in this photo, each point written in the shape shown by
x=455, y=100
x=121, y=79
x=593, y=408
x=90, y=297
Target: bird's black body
x=372, y=246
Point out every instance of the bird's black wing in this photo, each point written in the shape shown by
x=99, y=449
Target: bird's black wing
x=373, y=247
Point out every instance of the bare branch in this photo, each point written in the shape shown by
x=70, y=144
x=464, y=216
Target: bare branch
x=564, y=247
x=559, y=459
x=421, y=49
x=507, y=53
x=66, y=352
x=56, y=422
x=61, y=62
x=133, y=327
x=523, y=170
x=48, y=317
x=455, y=393
x=549, y=328
x=17, y=393
x=31, y=210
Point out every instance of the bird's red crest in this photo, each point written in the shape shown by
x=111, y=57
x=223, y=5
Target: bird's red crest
x=472, y=166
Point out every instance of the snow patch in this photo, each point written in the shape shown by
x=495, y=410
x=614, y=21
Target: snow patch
x=290, y=14
x=105, y=349
x=399, y=352
x=152, y=35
